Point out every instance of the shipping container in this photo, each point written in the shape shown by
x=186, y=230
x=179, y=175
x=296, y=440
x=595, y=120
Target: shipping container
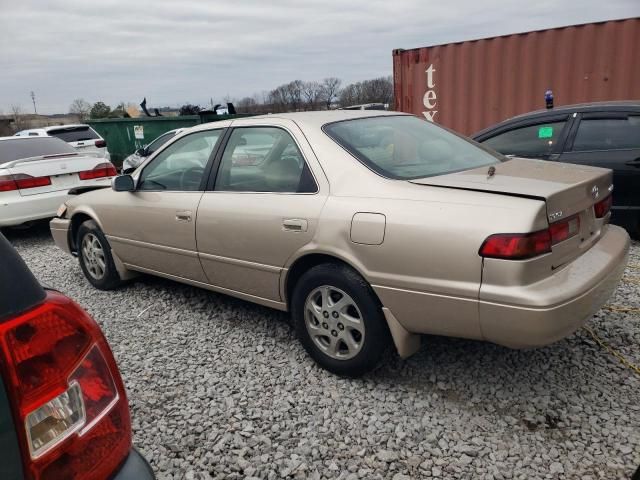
x=470, y=85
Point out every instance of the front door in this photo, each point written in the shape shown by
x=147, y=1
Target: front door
x=263, y=208
x=154, y=228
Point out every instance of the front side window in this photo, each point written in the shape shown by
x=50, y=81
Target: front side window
x=180, y=166
x=158, y=142
x=405, y=147
x=263, y=159
x=532, y=141
x=607, y=134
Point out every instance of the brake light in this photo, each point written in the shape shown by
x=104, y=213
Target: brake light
x=101, y=143
x=516, y=246
x=22, y=181
x=520, y=246
x=100, y=171
x=65, y=391
x=603, y=206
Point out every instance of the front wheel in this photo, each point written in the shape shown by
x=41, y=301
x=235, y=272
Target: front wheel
x=94, y=255
x=339, y=320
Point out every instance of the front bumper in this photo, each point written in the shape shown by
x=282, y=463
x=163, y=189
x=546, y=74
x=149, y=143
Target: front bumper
x=60, y=233
x=135, y=467
x=560, y=304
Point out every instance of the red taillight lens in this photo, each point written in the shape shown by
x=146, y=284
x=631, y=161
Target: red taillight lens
x=66, y=392
x=101, y=143
x=21, y=181
x=564, y=229
x=516, y=246
x=603, y=206
x=100, y=171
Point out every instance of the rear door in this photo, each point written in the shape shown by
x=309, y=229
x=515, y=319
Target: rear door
x=539, y=137
x=609, y=140
x=264, y=206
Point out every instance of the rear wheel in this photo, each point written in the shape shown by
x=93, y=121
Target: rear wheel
x=94, y=254
x=339, y=320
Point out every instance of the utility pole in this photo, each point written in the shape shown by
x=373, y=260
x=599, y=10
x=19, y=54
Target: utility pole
x=211, y=100
x=33, y=99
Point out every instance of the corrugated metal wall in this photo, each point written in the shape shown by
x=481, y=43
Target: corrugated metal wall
x=477, y=83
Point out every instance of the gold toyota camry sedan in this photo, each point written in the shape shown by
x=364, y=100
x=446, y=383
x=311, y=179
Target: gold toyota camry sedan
x=369, y=227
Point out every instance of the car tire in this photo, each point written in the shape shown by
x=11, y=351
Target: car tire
x=94, y=255
x=339, y=319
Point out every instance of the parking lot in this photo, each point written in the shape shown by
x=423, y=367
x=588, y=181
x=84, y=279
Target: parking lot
x=220, y=388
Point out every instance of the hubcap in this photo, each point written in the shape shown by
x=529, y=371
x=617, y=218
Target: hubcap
x=93, y=256
x=334, y=322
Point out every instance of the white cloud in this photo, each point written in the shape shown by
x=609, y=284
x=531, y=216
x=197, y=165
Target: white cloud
x=174, y=52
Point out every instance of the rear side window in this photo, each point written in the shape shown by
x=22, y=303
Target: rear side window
x=263, y=159
x=530, y=141
x=26, y=147
x=74, y=134
x=607, y=134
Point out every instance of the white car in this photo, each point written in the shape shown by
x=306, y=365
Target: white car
x=134, y=160
x=37, y=172
x=81, y=137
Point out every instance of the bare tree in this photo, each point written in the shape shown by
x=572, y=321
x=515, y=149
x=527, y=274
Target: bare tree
x=330, y=89
x=246, y=105
x=312, y=92
x=19, y=121
x=81, y=108
x=377, y=90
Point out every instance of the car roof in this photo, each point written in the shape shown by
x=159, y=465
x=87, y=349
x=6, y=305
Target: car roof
x=622, y=105
x=309, y=119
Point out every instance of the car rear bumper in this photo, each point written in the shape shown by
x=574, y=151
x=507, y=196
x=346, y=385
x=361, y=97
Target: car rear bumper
x=60, y=233
x=555, y=307
x=135, y=467
x=22, y=209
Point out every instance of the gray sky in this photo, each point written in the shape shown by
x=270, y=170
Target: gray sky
x=174, y=52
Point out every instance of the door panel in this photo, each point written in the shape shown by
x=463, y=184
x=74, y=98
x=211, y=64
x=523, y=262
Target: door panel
x=154, y=227
x=610, y=141
x=245, y=239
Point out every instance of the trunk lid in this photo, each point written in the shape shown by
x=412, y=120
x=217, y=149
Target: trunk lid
x=61, y=169
x=566, y=189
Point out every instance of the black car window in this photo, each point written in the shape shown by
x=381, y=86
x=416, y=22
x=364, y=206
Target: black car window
x=607, y=134
x=529, y=141
x=27, y=147
x=263, y=159
x=180, y=166
x=74, y=134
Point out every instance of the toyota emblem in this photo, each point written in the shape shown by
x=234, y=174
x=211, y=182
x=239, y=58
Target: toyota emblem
x=595, y=192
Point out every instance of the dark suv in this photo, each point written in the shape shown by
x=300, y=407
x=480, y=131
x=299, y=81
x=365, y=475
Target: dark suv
x=604, y=134
x=63, y=409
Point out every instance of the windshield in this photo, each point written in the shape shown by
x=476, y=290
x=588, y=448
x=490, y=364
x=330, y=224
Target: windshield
x=26, y=147
x=405, y=147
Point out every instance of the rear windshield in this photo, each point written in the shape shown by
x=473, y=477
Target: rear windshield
x=74, y=134
x=405, y=147
x=25, y=147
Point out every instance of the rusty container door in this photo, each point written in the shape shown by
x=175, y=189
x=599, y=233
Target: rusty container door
x=471, y=85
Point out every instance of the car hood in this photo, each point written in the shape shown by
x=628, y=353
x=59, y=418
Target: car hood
x=566, y=188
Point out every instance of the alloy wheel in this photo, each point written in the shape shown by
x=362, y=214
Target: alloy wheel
x=93, y=256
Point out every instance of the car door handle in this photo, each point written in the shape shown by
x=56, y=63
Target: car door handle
x=183, y=216
x=634, y=163
x=295, y=224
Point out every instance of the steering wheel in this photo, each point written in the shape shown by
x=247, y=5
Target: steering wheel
x=187, y=183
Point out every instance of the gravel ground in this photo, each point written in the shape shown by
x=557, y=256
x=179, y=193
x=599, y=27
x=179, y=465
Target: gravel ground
x=220, y=388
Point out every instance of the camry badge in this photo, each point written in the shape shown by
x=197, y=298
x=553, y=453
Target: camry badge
x=595, y=192
x=555, y=216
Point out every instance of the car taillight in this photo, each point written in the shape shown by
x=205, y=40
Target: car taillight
x=101, y=143
x=520, y=246
x=603, y=206
x=66, y=392
x=100, y=171
x=22, y=181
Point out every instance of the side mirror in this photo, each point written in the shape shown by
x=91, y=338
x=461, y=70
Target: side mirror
x=123, y=183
